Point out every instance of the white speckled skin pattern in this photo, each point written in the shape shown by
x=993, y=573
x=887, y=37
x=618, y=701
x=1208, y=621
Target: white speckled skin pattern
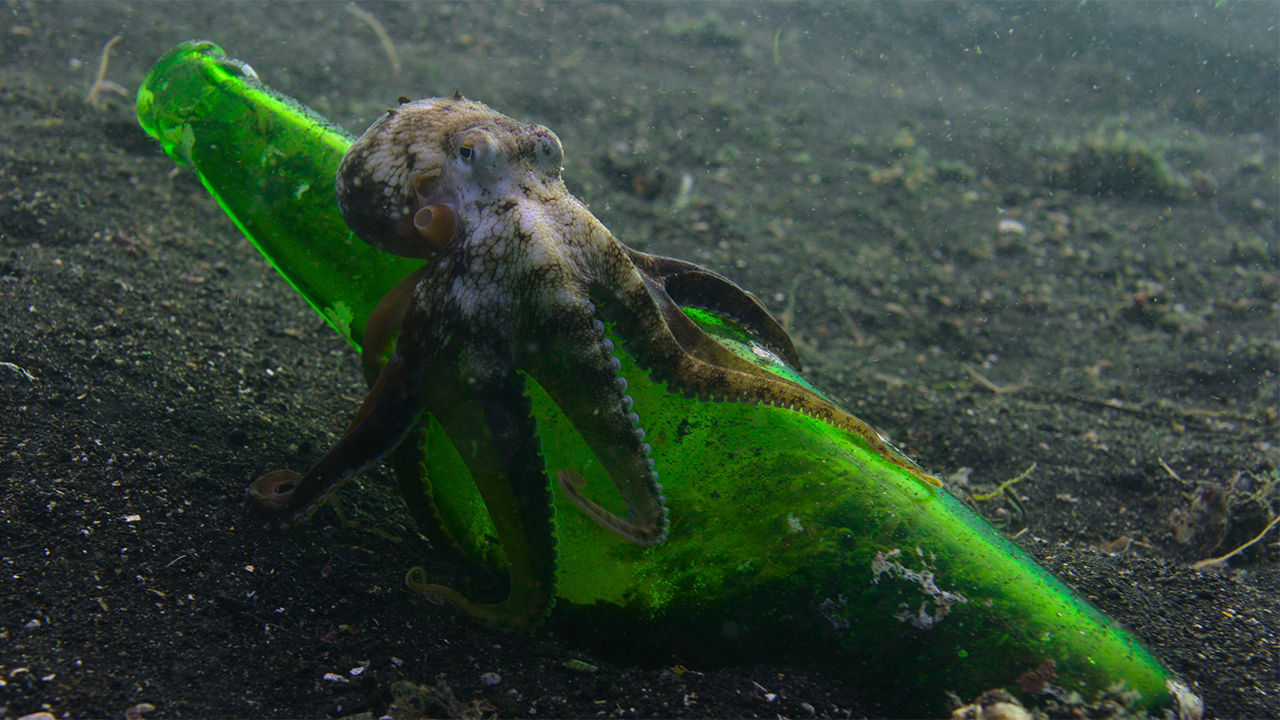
x=520, y=278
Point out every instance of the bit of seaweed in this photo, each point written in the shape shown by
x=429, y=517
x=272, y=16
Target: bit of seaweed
x=414, y=701
x=1121, y=165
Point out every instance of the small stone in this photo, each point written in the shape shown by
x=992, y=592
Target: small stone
x=490, y=678
x=32, y=625
x=138, y=711
x=1009, y=226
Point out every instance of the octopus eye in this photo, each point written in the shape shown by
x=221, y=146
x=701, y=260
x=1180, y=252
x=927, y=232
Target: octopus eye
x=468, y=151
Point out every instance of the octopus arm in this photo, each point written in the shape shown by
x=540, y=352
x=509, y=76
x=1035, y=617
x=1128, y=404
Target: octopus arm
x=577, y=367
x=674, y=350
x=384, y=324
x=690, y=285
x=492, y=422
x=415, y=480
x=381, y=423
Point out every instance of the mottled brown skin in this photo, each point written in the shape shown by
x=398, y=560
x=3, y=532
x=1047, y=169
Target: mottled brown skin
x=520, y=277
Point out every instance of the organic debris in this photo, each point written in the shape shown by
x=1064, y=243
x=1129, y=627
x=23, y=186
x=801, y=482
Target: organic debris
x=991, y=705
x=1233, y=509
x=412, y=701
x=101, y=81
x=1121, y=165
x=387, y=46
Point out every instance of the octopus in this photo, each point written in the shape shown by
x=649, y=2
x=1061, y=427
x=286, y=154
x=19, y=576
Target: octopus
x=521, y=281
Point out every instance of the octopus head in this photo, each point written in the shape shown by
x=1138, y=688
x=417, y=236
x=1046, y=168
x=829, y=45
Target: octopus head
x=407, y=184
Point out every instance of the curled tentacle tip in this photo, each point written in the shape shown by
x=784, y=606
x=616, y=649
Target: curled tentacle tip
x=270, y=493
x=571, y=478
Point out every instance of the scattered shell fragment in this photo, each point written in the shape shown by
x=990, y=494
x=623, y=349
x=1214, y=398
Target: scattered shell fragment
x=1009, y=226
x=579, y=666
x=992, y=705
x=1190, y=706
x=138, y=711
x=1117, y=546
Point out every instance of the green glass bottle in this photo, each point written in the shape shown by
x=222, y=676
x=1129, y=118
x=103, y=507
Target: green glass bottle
x=270, y=162
x=790, y=541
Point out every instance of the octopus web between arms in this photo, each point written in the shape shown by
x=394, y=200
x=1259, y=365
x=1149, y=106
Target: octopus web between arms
x=520, y=280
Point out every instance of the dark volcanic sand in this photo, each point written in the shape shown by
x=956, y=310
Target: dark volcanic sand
x=850, y=164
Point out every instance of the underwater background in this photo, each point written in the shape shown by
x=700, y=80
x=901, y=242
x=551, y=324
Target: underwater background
x=1026, y=242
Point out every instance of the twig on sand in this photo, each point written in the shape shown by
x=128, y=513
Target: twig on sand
x=20, y=371
x=96, y=88
x=997, y=389
x=1170, y=470
x=381, y=32
x=1220, y=563
x=999, y=491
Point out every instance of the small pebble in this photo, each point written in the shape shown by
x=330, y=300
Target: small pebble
x=491, y=678
x=137, y=711
x=1009, y=226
